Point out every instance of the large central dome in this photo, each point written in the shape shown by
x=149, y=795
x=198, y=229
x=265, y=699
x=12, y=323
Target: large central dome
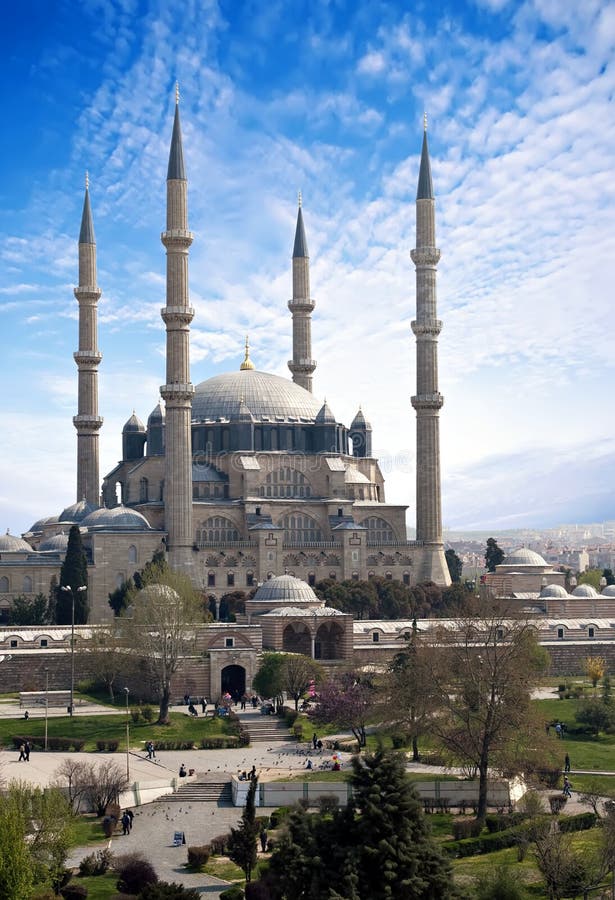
x=267, y=397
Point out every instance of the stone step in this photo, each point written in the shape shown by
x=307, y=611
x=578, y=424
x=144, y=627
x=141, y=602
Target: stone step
x=200, y=792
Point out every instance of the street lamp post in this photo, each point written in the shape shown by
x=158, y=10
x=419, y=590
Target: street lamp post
x=68, y=588
x=127, y=737
x=46, y=704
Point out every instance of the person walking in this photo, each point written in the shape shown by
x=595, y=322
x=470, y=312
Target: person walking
x=27, y=747
x=314, y=740
x=263, y=840
x=567, y=787
x=125, y=823
x=204, y=706
x=22, y=753
x=567, y=763
x=131, y=816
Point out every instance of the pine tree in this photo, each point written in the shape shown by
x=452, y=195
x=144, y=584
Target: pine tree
x=398, y=858
x=493, y=554
x=242, y=842
x=73, y=574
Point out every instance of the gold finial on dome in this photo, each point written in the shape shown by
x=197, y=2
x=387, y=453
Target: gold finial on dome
x=247, y=363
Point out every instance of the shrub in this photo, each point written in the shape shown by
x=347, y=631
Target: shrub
x=163, y=890
x=148, y=716
x=135, y=714
x=112, y=746
x=466, y=828
x=134, y=873
x=100, y=745
x=278, y=815
x=399, y=739
x=219, y=844
x=232, y=893
x=198, y=856
x=549, y=776
x=501, y=822
x=499, y=884
x=78, y=745
x=290, y=717
x=74, y=891
x=556, y=803
x=96, y=863
x=328, y=803
x=581, y=822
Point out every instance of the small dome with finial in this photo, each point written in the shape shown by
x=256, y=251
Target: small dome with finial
x=134, y=423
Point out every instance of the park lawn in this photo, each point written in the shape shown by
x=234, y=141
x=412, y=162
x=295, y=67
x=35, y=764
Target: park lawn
x=109, y=727
x=86, y=829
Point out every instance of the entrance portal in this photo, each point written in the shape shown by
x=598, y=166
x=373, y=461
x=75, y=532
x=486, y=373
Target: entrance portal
x=233, y=681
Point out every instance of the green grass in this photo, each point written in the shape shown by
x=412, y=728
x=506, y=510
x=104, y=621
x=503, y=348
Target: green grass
x=86, y=830
x=110, y=727
x=586, y=751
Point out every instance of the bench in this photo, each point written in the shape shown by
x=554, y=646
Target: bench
x=43, y=698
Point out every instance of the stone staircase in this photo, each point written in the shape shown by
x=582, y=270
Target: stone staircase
x=200, y=792
x=264, y=728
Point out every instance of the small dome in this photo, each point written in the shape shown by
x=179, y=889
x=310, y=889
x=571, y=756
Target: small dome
x=524, y=557
x=41, y=523
x=155, y=417
x=585, y=590
x=77, y=512
x=285, y=589
x=553, y=590
x=325, y=416
x=58, y=542
x=609, y=591
x=10, y=543
x=118, y=517
x=134, y=424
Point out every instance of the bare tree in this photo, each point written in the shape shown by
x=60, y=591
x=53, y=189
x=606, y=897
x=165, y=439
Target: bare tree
x=158, y=625
x=71, y=777
x=105, y=656
x=408, y=688
x=298, y=673
x=102, y=784
x=483, y=671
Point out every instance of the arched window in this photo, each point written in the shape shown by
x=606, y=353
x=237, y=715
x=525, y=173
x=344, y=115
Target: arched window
x=378, y=530
x=143, y=490
x=132, y=554
x=4, y=584
x=216, y=529
x=27, y=584
x=286, y=482
x=300, y=529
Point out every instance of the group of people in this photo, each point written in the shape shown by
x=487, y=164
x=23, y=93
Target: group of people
x=24, y=751
x=248, y=776
x=150, y=750
x=189, y=702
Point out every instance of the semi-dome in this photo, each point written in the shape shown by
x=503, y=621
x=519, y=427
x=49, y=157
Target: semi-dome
x=58, y=542
x=286, y=589
x=76, y=512
x=554, y=590
x=117, y=517
x=10, y=543
x=524, y=557
x=585, y=590
x=609, y=591
x=41, y=523
x=268, y=397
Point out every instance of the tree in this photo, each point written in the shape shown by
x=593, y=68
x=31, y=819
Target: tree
x=595, y=667
x=298, y=673
x=594, y=795
x=24, y=611
x=590, y=576
x=379, y=847
x=597, y=715
x=118, y=599
x=347, y=703
x=493, y=554
x=48, y=824
x=105, y=656
x=70, y=776
x=483, y=672
x=102, y=784
x=565, y=872
x=608, y=574
x=409, y=691
x=16, y=871
x=242, y=840
x=455, y=565
x=268, y=681
x=73, y=574
x=158, y=627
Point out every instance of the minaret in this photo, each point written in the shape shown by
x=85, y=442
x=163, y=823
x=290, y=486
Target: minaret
x=87, y=421
x=428, y=399
x=301, y=365
x=178, y=391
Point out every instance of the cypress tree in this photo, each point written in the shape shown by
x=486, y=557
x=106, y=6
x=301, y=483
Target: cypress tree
x=242, y=842
x=73, y=574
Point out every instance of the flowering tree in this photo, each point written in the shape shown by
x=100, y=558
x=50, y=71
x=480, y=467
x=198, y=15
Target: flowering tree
x=347, y=703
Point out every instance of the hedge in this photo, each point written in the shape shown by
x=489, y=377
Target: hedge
x=501, y=840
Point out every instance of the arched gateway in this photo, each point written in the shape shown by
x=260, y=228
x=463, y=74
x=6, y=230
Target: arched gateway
x=233, y=681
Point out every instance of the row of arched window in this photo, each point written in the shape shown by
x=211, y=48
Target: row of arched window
x=26, y=585
x=299, y=528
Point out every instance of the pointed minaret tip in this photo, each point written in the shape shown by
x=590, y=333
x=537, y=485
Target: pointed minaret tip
x=86, y=232
x=299, y=200
x=300, y=249
x=177, y=93
x=176, y=171
x=425, y=185
x=87, y=180
x=425, y=121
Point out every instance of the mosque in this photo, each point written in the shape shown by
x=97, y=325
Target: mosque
x=247, y=475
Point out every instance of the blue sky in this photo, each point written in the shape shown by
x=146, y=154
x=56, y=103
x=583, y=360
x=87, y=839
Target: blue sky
x=326, y=97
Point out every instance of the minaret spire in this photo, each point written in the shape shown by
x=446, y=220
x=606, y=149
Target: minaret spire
x=178, y=390
x=428, y=401
x=87, y=421
x=301, y=306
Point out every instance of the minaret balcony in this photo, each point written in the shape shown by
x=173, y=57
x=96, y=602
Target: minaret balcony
x=301, y=304
x=177, y=392
x=87, y=292
x=178, y=237
x=87, y=423
x=182, y=315
x=427, y=401
x=306, y=366
x=91, y=357
x=425, y=257
x=430, y=327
